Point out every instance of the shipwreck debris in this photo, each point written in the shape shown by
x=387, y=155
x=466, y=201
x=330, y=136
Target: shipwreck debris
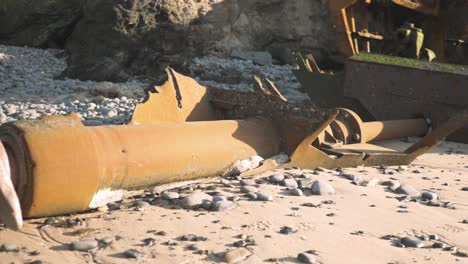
x=184, y=131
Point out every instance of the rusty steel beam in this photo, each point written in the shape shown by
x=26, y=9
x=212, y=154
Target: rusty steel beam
x=182, y=131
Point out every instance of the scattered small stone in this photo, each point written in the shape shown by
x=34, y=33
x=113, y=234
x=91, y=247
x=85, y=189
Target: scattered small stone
x=276, y=178
x=462, y=253
x=286, y=230
x=248, y=188
x=373, y=182
x=290, y=183
x=392, y=184
x=195, y=199
x=315, y=205
x=264, y=197
x=321, y=187
x=192, y=238
x=408, y=190
x=417, y=171
x=424, y=237
x=434, y=237
x=223, y=206
x=50, y=221
x=464, y=189
x=439, y=245
x=161, y=233
x=240, y=243
x=465, y=221
x=251, y=196
x=35, y=253
x=107, y=240
x=429, y=196
x=170, y=196
x=296, y=192
x=306, y=258
x=236, y=255
x=133, y=253
x=433, y=203
x=248, y=182
x=84, y=245
x=9, y=248
x=412, y=242
x=149, y=242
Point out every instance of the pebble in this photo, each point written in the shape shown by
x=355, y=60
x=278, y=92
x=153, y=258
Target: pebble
x=170, y=195
x=392, y=184
x=240, y=243
x=429, y=196
x=412, y=242
x=462, y=253
x=322, y=187
x=195, y=200
x=286, y=230
x=251, y=196
x=464, y=189
x=306, y=258
x=276, y=178
x=373, y=182
x=9, y=248
x=408, y=190
x=248, y=188
x=290, y=183
x=264, y=197
x=223, y=206
x=248, y=182
x=84, y=245
x=236, y=255
x=465, y=221
x=296, y=192
x=439, y=245
x=149, y=242
x=142, y=204
x=133, y=253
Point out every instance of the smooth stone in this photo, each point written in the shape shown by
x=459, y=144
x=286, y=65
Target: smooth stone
x=207, y=205
x=133, y=253
x=223, y=206
x=296, y=192
x=142, y=204
x=276, y=178
x=306, y=258
x=464, y=189
x=240, y=243
x=392, y=184
x=462, y=253
x=195, y=199
x=170, y=195
x=429, y=196
x=8, y=247
x=412, y=242
x=264, y=197
x=236, y=255
x=290, y=183
x=84, y=245
x=439, y=245
x=251, y=195
x=373, y=182
x=218, y=198
x=322, y=187
x=248, y=182
x=247, y=189
x=408, y=190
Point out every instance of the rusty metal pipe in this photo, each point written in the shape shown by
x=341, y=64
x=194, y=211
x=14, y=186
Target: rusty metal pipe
x=63, y=166
x=382, y=130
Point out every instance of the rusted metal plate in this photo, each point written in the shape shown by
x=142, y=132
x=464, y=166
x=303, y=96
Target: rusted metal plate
x=391, y=91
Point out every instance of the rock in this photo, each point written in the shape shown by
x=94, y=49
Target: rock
x=412, y=242
x=236, y=255
x=251, y=196
x=306, y=258
x=464, y=189
x=195, y=200
x=248, y=182
x=170, y=195
x=207, y=205
x=258, y=57
x=218, y=198
x=290, y=183
x=392, y=184
x=465, y=221
x=408, y=190
x=321, y=187
x=9, y=248
x=140, y=205
x=223, y=206
x=429, y=196
x=264, y=197
x=439, y=245
x=240, y=243
x=286, y=230
x=149, y=242
x=373, y=182
x=247, y=189
x=133, y=253
x=276, y=178
x=296, y=192
x=240, y=166
x=84, y=245
x=462, y=253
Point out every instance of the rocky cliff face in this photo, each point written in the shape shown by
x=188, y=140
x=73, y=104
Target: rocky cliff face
x=115, y=40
